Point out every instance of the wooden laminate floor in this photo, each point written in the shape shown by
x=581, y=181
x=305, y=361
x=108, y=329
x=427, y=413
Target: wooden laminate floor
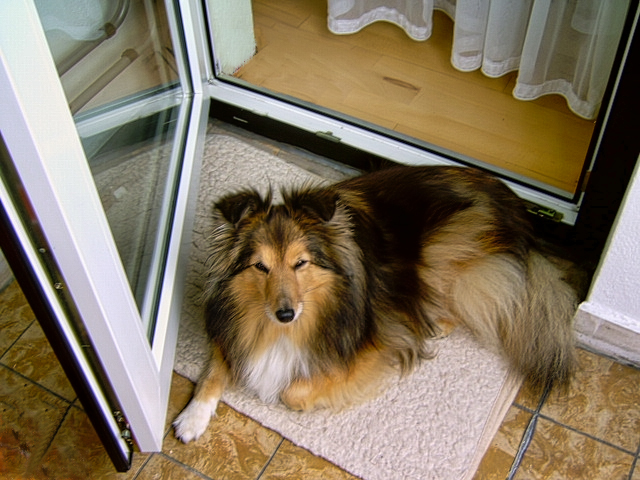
x=382, y=76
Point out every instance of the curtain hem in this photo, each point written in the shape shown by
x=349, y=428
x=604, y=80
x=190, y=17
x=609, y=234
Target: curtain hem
x=382, y=14
x=582, y=108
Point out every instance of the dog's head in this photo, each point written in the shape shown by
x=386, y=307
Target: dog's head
x=283, y=259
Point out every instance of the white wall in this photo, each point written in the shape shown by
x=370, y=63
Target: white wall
x=609, y=320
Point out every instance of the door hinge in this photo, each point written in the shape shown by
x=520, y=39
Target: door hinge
x=545, y=212
x=125, y=429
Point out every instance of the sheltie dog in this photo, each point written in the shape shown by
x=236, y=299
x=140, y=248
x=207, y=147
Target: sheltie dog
x=316, y=300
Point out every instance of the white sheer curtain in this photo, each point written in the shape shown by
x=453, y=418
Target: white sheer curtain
x=558, y=46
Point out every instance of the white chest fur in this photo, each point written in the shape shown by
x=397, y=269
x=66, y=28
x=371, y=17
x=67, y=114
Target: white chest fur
x=274, y=370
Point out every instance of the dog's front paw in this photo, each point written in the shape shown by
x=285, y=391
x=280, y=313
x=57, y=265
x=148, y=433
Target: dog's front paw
x=299, y=396
x=193, y=420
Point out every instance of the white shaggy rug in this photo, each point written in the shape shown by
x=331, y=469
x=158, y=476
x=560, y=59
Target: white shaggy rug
x=433, y=424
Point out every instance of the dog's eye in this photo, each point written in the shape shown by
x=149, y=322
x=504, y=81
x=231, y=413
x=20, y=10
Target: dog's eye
x=301, y=263
x=261, y=267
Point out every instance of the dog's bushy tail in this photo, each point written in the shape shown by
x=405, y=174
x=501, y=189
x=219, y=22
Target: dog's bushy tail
x=527, y=308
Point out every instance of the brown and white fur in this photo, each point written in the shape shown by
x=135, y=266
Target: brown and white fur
x=315, y=302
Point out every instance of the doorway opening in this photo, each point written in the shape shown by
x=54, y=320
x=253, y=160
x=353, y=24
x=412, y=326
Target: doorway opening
x=381, y=78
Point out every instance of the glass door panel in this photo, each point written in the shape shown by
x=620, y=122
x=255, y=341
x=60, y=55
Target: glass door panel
x=119, y=70
x=384, y=81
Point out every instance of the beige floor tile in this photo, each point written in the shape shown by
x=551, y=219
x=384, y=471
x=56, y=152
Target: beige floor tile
x=497, y=462
x=33, y=357
x=604, y=401
x=15, y=315
x=77, y=453
x=559, y=453
x=29, y=417
x=291, y=462
x=160, y=467
x=233, y=447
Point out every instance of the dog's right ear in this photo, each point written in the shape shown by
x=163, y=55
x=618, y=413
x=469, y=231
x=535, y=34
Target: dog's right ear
x=237, y=206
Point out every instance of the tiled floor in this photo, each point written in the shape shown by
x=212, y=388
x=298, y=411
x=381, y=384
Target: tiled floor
x=591, y=433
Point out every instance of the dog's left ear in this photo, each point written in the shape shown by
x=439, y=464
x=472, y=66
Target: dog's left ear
x=320, y=203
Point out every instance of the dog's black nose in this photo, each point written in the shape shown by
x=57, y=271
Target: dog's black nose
x=285, y=315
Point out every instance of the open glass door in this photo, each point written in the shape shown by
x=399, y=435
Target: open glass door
x=101, y=112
